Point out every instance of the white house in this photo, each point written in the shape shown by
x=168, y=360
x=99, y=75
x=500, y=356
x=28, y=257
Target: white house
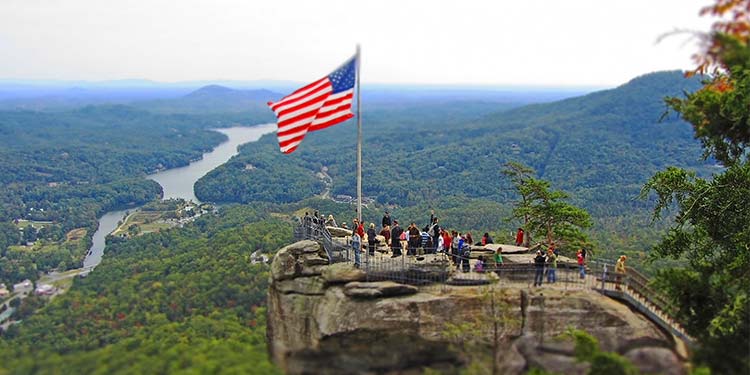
x=44, y=290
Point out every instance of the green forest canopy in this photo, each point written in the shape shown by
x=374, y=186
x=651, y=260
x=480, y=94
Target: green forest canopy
x=186, y=299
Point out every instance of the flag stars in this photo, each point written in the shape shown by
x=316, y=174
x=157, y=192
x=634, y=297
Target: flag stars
x=344, y=77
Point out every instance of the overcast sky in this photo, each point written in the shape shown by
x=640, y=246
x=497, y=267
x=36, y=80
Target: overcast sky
x=494, y=42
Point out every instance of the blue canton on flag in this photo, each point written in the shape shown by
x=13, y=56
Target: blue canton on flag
x=343, y=78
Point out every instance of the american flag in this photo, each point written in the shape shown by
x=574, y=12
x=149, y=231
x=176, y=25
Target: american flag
x=323, y=103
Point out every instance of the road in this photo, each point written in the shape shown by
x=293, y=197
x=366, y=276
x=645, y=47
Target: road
x=23, y=290
x=54, y=277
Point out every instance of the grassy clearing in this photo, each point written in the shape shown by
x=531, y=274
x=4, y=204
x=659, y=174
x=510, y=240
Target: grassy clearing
x=155, y=227
x=36, y=224
x=280, y=215
x=63, y=284
x=146, y=221
x=70, y=273
x=75, y=234
x=39, y=246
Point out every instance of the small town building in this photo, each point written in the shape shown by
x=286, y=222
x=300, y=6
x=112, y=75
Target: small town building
x=23, y=284
x=44, y=290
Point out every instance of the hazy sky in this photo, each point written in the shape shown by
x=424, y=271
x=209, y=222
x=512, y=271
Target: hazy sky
x=494, y=42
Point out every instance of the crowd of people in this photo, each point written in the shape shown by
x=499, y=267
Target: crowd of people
x=432, y=239
x=413, y=240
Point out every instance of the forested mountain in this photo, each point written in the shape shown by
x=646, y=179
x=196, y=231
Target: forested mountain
x=216, y=99
x=68, y=168
x=600, y=147
x=44, y=155
x=186, y=300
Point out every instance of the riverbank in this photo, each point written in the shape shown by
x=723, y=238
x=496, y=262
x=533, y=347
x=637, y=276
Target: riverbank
x=178, y=182
x=156, y=216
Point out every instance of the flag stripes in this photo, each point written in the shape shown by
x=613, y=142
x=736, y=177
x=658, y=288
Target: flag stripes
x=318, y=105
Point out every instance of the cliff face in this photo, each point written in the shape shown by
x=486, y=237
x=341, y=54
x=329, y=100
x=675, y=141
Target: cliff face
x=326, y=320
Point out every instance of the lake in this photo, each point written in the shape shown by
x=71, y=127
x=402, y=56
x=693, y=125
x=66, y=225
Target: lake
x=179, y=182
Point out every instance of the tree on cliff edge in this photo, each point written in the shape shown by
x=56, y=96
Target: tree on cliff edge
x=544, y=211
x=711, y=231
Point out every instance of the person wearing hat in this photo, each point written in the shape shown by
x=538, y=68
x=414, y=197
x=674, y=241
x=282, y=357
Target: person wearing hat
x=620, y=271
x=539, y=265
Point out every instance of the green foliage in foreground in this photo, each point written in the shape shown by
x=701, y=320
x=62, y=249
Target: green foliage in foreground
x=602, y=363
x=183, y=300
x=711, y=230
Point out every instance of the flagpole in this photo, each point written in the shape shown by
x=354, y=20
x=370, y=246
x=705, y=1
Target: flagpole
x=359, y=142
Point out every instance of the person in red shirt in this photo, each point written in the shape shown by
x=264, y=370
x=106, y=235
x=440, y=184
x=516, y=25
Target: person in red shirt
x=358, y=233
x=447, y=240
x=386, y=232
x=358, y=228
x=519, y=237
x=581, y=264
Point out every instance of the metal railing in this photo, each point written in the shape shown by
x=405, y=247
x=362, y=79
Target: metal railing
x=312, y=228
x=431, y=268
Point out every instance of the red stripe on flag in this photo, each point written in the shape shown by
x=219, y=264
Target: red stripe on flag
x=339, y=100
x=332, y=122
x=300, y=130
x=340, y=108
x=302, y=105
x=292, y=129
x=286, y=101
x=299, y=90
x=314, y=107
x=288, y=142
x=289, y=151
x=287, y=122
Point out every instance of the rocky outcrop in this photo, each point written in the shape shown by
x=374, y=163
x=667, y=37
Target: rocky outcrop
x=377, y=289
x=339, y=232
x=330, y=320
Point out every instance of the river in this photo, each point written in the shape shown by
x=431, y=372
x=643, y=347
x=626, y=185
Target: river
x=179, y=182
